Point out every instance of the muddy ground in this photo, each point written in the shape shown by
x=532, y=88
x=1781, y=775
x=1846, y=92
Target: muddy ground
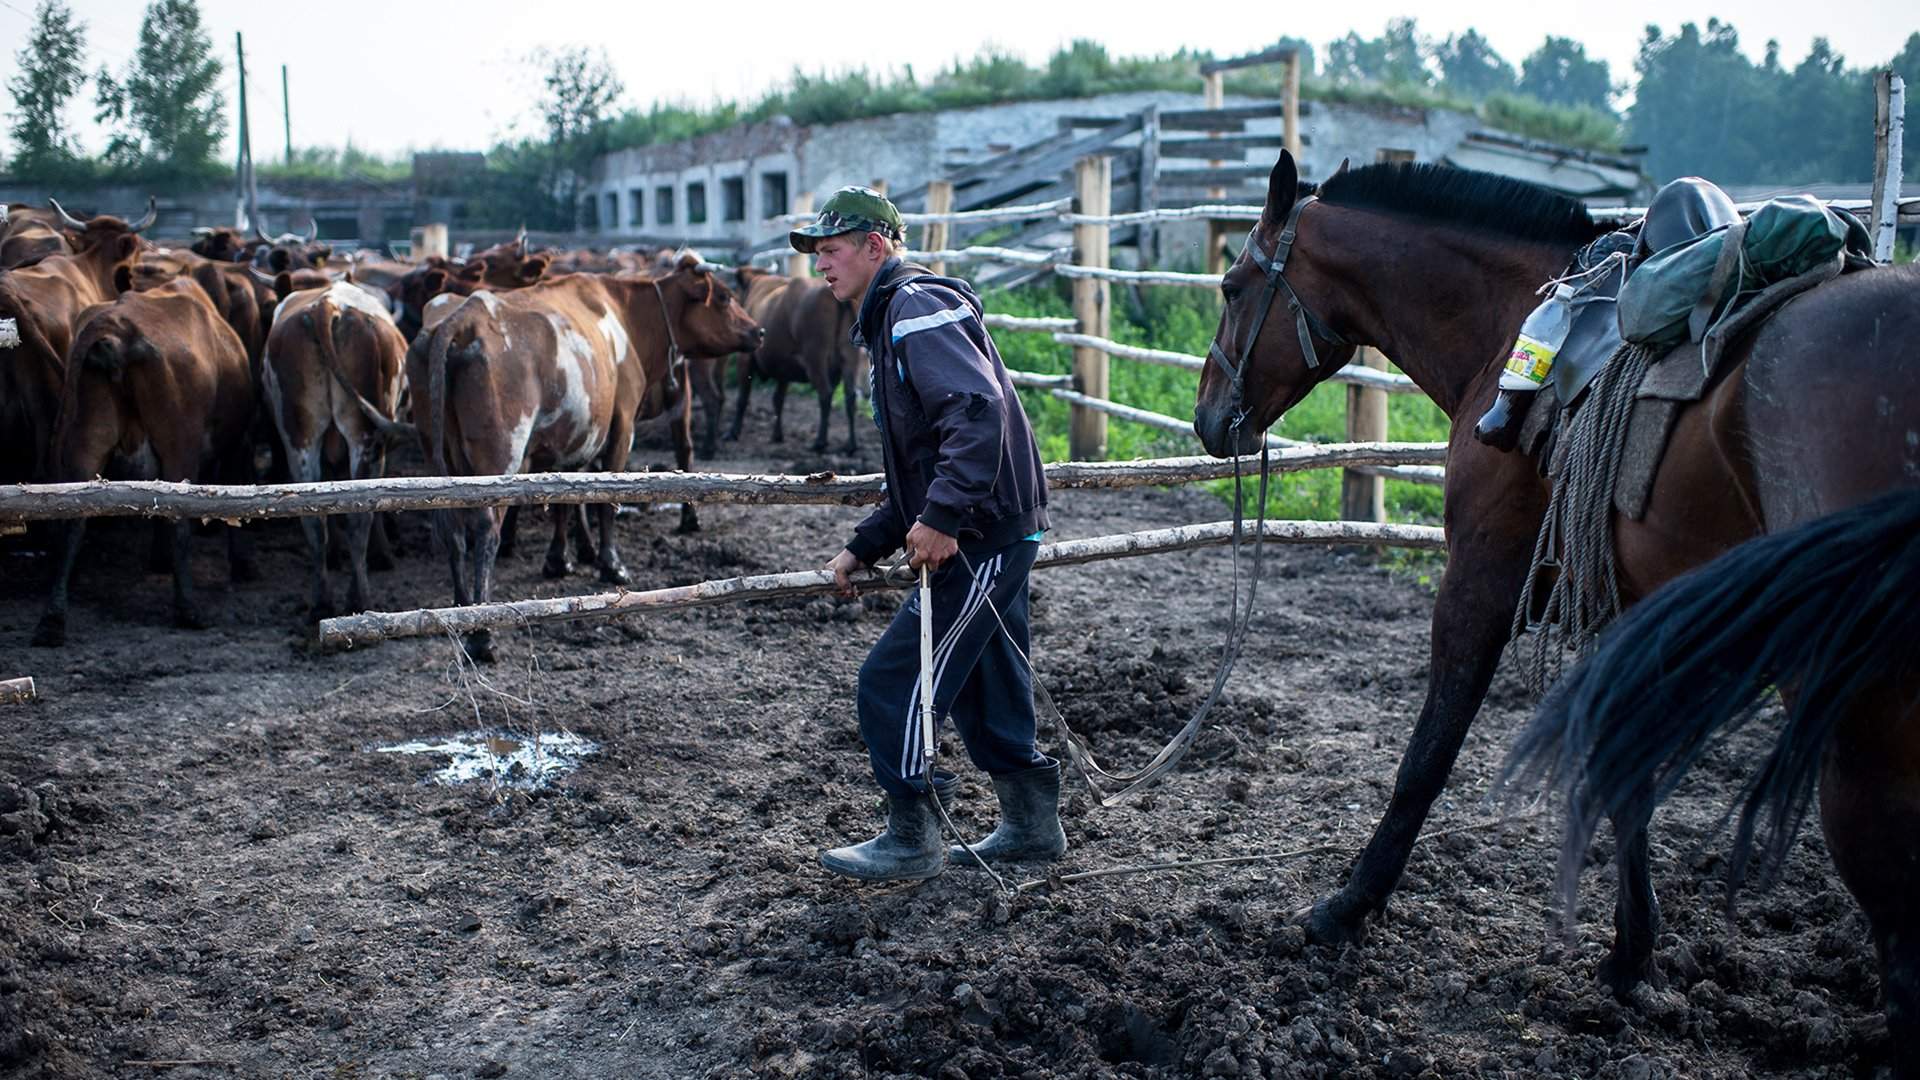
x=203, y=862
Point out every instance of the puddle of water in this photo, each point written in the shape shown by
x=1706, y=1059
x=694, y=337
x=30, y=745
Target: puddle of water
x=501, y=760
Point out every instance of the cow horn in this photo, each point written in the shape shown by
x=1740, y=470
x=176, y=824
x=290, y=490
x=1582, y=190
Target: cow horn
x=66, y=219
x=263, y=278
x=203, y=230
x=709, y=268
x=146, y=221
x=313, y=228
x=521, y=240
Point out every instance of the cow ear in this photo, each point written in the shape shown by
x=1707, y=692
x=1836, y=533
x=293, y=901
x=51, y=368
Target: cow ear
x=533, y=266
x=127, y=245
x=123, y=277
x=435, y=280
x=283, y=284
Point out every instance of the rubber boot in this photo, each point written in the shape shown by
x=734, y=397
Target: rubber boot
x=1500, y=427
x=1029, y=829
x=910, y=849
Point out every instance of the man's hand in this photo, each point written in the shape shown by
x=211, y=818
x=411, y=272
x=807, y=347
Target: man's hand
x=842, y=565
x=929, y=547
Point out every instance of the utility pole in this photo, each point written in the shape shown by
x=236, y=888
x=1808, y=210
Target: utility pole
x=249, y=193
x=286, y=112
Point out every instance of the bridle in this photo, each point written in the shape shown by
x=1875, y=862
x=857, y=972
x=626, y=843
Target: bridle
x=1305, y=322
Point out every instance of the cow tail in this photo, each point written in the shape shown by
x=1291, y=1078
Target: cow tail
x=326, y=319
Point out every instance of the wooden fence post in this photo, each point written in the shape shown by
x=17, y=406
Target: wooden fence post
x=934, y=236
x=1146, y=237
x=1290, y=107
x=799, y=265
x=1093, y=187
x=1889, y=123
x=1216, y=98
x=1364, y=497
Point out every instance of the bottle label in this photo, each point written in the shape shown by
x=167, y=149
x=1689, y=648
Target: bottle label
x=1530, y=359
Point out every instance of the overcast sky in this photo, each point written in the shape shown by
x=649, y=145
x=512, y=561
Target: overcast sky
x=395, y=75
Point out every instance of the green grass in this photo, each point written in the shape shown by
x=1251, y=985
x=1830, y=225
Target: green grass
x=1183, y=320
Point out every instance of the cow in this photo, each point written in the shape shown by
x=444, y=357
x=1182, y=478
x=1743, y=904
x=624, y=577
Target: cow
x=29, y=234
x=553, y=376
x=504, y=266
x=223, y=243
x=808, y=339
x=156, y=382
x=332, y=381
x=40, y=307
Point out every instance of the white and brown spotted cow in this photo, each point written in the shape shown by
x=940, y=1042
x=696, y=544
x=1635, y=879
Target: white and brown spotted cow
x=553, y=377
x=332, y=378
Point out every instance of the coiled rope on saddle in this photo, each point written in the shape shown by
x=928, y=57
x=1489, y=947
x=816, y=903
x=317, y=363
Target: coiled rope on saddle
x=1575, y=543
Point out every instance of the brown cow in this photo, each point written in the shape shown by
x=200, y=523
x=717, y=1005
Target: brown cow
x=332, y=374
x=553, y=376
x=503, y=266
x=156, y=381
x=808, y=339
x=223, y=243
x=29, y=234
x=40, y=307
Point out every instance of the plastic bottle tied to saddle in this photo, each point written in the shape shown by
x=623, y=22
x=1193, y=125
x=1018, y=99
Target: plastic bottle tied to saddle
x=1541, y=338
x=1529, y=362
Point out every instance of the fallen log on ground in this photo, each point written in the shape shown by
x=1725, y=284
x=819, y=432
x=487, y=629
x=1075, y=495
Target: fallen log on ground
x=15, y=691
x=350, y=631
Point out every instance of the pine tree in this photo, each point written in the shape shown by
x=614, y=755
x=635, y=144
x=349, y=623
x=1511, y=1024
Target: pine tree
x=51, y=72
x=168, y=112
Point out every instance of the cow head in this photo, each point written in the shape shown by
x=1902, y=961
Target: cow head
x=112, y=239
x=706, y=318
x=222, y=244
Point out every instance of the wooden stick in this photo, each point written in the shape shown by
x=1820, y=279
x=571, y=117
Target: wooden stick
x=16, y=691
x=350, y=631
x=159, y=498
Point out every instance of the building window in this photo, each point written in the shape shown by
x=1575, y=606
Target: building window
x=697, y=203
x=636, y=208
x=613, y=211
x=663, y=205
x=733, y=199
x=773, y=194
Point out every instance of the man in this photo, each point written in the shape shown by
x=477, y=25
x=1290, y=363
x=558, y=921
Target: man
x=967, y=499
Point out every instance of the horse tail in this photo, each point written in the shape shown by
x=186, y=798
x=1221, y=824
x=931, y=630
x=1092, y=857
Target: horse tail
x=1826, y=609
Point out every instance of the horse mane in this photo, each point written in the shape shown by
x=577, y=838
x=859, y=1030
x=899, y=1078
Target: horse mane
x=1479, y=201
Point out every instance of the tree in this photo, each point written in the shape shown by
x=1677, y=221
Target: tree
x=1469, y=66
x=50, y=74
x=1702, y=107
x=1559, y=72
x=580, y=86
x=1907, y=66
x=1397, y=57
x=167, y=110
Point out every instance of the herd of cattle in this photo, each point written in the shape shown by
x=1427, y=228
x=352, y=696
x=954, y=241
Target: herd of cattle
x=126, y=359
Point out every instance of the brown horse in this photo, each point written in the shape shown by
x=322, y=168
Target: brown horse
x=1436, y=267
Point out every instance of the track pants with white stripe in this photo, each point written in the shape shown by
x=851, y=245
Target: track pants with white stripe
x=980, y=680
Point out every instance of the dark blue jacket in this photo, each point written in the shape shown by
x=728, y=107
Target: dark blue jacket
x=960, y=455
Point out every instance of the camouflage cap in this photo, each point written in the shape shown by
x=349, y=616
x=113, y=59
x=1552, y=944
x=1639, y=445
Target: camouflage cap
x=851, y=209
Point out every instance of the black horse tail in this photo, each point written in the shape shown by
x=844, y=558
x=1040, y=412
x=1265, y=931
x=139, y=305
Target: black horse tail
x=1828, y=609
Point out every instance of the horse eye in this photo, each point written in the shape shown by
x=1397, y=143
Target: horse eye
x=1230, y=293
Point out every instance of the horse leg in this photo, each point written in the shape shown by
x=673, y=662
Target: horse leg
x=1636, y=912
x=1491, y=527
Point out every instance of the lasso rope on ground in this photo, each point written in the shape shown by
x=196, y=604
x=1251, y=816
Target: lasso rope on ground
x=1576, y=536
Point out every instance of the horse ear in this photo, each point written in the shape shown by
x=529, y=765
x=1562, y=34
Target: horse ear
x=1283, y=186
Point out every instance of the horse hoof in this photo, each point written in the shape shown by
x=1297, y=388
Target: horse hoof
x=189, y=617
x=480, y=647
x=554, y=569
x=52, y=631
x=1621, y=973
x=1331, y=922
x=615, y=575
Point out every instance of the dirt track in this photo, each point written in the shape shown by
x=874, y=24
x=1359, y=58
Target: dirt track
x=202, y=862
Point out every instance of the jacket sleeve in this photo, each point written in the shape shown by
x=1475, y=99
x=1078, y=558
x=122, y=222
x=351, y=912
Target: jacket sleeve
x=936, y=338
x=880, y=535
